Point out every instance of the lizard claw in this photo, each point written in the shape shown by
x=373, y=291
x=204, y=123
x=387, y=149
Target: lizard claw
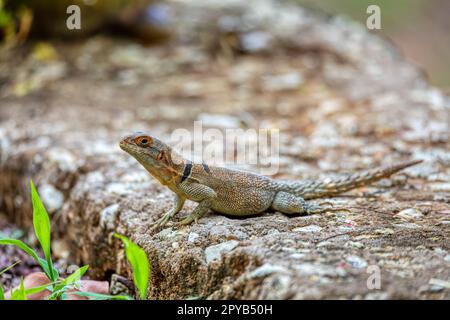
x=161, y=222
x=188, y=220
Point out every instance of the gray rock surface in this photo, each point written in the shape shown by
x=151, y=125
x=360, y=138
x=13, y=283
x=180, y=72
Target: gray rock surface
x=353, y=103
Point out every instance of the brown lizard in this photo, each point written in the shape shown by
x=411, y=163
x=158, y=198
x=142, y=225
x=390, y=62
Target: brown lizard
x=235, y=192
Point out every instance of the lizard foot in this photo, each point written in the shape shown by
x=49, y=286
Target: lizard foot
x=188, y=220
x=198, y=212
x=161, y=222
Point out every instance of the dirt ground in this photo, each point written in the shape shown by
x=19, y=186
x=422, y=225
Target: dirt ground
x=343, y=100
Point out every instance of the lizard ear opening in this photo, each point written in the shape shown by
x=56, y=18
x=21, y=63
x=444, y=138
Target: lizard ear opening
x=143, y=141
x=164, y=157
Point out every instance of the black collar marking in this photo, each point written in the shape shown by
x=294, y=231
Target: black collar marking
x=187, y=170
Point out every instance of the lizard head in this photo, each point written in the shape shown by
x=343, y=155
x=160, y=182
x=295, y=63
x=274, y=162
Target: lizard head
x=152, y=153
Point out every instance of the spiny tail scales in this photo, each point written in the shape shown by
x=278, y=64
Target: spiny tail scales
x=327, y=188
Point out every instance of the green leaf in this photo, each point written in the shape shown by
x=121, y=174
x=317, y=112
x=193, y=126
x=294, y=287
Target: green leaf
x=41, y=222
x=55, y=295
x=139, y=262
x=19, y=294
x=21, y=245
x=98, y=296
x=2, y=293
x=38, y=289
x=10, y=267
x=28, y=250
x=31, y=253
x=73, y=278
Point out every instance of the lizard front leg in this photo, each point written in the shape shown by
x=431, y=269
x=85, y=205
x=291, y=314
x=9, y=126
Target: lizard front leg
x=200, y=193
x=177, y=206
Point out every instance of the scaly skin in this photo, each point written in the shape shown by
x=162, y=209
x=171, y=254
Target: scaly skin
x=234, y=192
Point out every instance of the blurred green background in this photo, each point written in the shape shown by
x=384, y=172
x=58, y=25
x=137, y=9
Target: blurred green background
x=420, y=28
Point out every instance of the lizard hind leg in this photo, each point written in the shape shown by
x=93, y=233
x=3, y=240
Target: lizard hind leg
x=289, y=203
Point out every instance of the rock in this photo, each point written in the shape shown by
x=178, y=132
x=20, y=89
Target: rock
x=438, y=284
x=118, y=188
x=288, y=81
x=308, y=229
x=385, y=231
x=354, y=244
x=309, y=269
x=280, y=285
x=297, y=256
x=407, y=225
x=266, y=270
x=356, y=262
x=410, y=214
x=167, y=234
x=52, y=198
x=65, y=159
x=255, y=41
x=192, y=237
x=215, y=252
x=444, y=187
x=108, y=216
x=121, y=286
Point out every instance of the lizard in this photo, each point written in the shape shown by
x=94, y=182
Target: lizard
x=236, y=192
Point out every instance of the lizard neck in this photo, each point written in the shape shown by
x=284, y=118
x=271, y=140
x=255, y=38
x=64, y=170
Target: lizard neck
x=168, y=172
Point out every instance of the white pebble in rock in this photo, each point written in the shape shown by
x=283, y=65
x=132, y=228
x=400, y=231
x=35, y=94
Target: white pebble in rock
x=354, y=244
x=108, y=216
x=192, y=237
x=52, y=198
x=297, y=255
x=308, y=229
x=255, y=41
x=410, y=214
x=215, y=252
x=265, y=270
x=439, y=284
x=65, y=160
x=117, y=188
x=356, y=262
x=167, y=234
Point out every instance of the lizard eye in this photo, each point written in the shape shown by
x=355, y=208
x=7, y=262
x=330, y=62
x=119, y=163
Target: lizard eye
x=143, y=141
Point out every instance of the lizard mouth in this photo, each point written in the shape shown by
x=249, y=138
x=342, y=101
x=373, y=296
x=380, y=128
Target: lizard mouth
x=129, y=147
x=125, y=144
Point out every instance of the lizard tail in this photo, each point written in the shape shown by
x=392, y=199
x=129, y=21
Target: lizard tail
x=331, y=187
